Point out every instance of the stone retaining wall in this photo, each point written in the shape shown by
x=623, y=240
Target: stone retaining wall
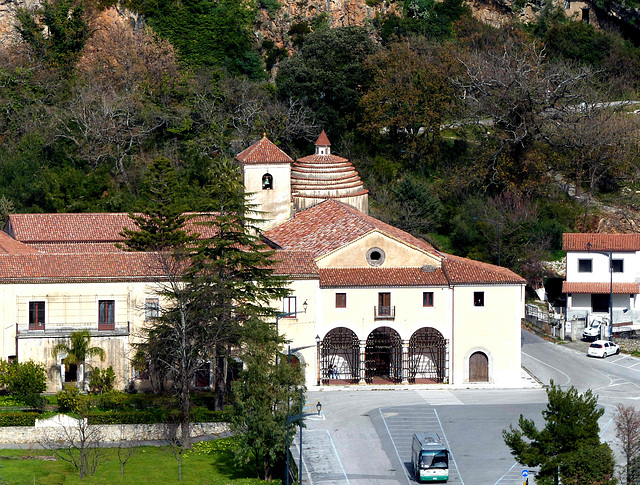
x=109, y=432
x=628, y=345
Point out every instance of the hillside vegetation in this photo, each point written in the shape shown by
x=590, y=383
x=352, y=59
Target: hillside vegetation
x=460, y=131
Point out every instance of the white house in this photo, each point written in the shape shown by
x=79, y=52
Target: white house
x=602, y=268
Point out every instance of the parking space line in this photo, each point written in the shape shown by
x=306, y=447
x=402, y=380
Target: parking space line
x=448, y=447
x=394, y=446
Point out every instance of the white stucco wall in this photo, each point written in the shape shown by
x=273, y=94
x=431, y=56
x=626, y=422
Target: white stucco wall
x=71, y=307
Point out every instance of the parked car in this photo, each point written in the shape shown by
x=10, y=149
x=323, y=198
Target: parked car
x=592, y=332
x=603, y=348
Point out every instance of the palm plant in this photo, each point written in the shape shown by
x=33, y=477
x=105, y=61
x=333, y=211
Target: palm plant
x=77, y=350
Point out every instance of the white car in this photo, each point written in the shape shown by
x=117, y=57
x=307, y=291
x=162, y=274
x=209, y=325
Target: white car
x=603, y=348
x=592, y=332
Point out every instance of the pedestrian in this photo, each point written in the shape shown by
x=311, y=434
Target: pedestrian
x=331, y=371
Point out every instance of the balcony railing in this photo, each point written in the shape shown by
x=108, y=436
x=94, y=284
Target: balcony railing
x=66, y=328
x=384, y=312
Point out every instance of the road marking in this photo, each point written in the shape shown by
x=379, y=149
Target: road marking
x=394, y=447
x=552, y=367
x=448, y=447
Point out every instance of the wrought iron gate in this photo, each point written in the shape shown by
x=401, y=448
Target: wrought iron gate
x=383, y=355
x=340, y=353
x=427, y=356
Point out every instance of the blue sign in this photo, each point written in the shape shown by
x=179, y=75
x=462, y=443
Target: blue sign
x=525, y=473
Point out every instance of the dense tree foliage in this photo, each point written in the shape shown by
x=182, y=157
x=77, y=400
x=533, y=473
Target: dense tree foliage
x=568, y=447
x=329, y=76
x=446, y=119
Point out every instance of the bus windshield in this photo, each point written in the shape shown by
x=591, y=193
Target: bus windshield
x=434, y=459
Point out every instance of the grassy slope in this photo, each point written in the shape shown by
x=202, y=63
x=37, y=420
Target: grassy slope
x=148, y=466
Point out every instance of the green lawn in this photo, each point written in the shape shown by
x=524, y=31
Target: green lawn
x=148, y=466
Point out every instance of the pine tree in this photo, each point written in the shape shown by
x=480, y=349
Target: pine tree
x=571, y=433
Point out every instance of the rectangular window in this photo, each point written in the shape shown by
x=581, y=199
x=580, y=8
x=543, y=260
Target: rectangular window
x=289, y=307
x=478, y=298
x=36, y=315
x=384, y=304
x=427, y=298
x=617, y=265
x=341, y=300
x=151, y=308
x=584, y=266
x=599, y=303
x=106, y=314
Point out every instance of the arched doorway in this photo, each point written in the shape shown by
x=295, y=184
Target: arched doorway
x=478, y=367
x=427, y=356
x=340, y=356
x=383, y=355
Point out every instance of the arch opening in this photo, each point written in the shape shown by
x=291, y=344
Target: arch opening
x=478, y=367
x=383, y=356
x=340, y=357
x=427, y=357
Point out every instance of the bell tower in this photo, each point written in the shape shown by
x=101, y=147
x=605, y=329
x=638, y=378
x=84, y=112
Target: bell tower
x=266, y=173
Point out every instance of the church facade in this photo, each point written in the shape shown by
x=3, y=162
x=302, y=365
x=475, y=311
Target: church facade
x=369, y=303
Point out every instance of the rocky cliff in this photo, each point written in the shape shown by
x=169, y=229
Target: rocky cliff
x=275, y=23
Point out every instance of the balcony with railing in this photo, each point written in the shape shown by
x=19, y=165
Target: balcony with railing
x=60, y=315
x=64, y=329
x=381, y=312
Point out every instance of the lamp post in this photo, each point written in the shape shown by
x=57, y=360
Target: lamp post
x=610, y=255
x=300, y=417
x=280, y=315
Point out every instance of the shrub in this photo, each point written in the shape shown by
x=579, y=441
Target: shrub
x=102, y=380
x=70, y=400
x=23, y=379
x=110, y=400
x=18, y=419
x=127, y=417
x=35, y=401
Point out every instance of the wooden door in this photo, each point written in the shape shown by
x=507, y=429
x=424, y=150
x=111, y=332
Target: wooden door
x=478, y=367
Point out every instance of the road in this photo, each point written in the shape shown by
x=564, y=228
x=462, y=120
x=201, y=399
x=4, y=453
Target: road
x=364, y=436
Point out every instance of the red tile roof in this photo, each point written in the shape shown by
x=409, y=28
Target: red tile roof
x=295, y=264
x=600, y=242
x=40, y=268
x=37, y=228
x=382, y=277
x=468, y=271
x=329, y=226
x=263, y=151
x=8, y=245
x=323, y=140
x=618, y=288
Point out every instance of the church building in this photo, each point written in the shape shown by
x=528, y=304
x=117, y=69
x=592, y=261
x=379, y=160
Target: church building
x=369, y=304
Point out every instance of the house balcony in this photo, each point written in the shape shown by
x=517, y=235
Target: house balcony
x=57, y=330
x=384, y=312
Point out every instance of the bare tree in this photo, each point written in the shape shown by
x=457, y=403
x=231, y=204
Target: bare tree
x=627, y=423
x=77, y=444
x=175, y=445
x=127, y=447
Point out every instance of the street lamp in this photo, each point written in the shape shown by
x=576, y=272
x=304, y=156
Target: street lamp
x=610, y=254
x=299, y=417
x=497, y=224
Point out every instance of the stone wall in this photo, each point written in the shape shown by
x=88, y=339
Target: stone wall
x=110, y=433
x=628, y=345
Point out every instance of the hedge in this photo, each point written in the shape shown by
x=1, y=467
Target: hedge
x=127, y=417
x=155, y=416
x=18, y=419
